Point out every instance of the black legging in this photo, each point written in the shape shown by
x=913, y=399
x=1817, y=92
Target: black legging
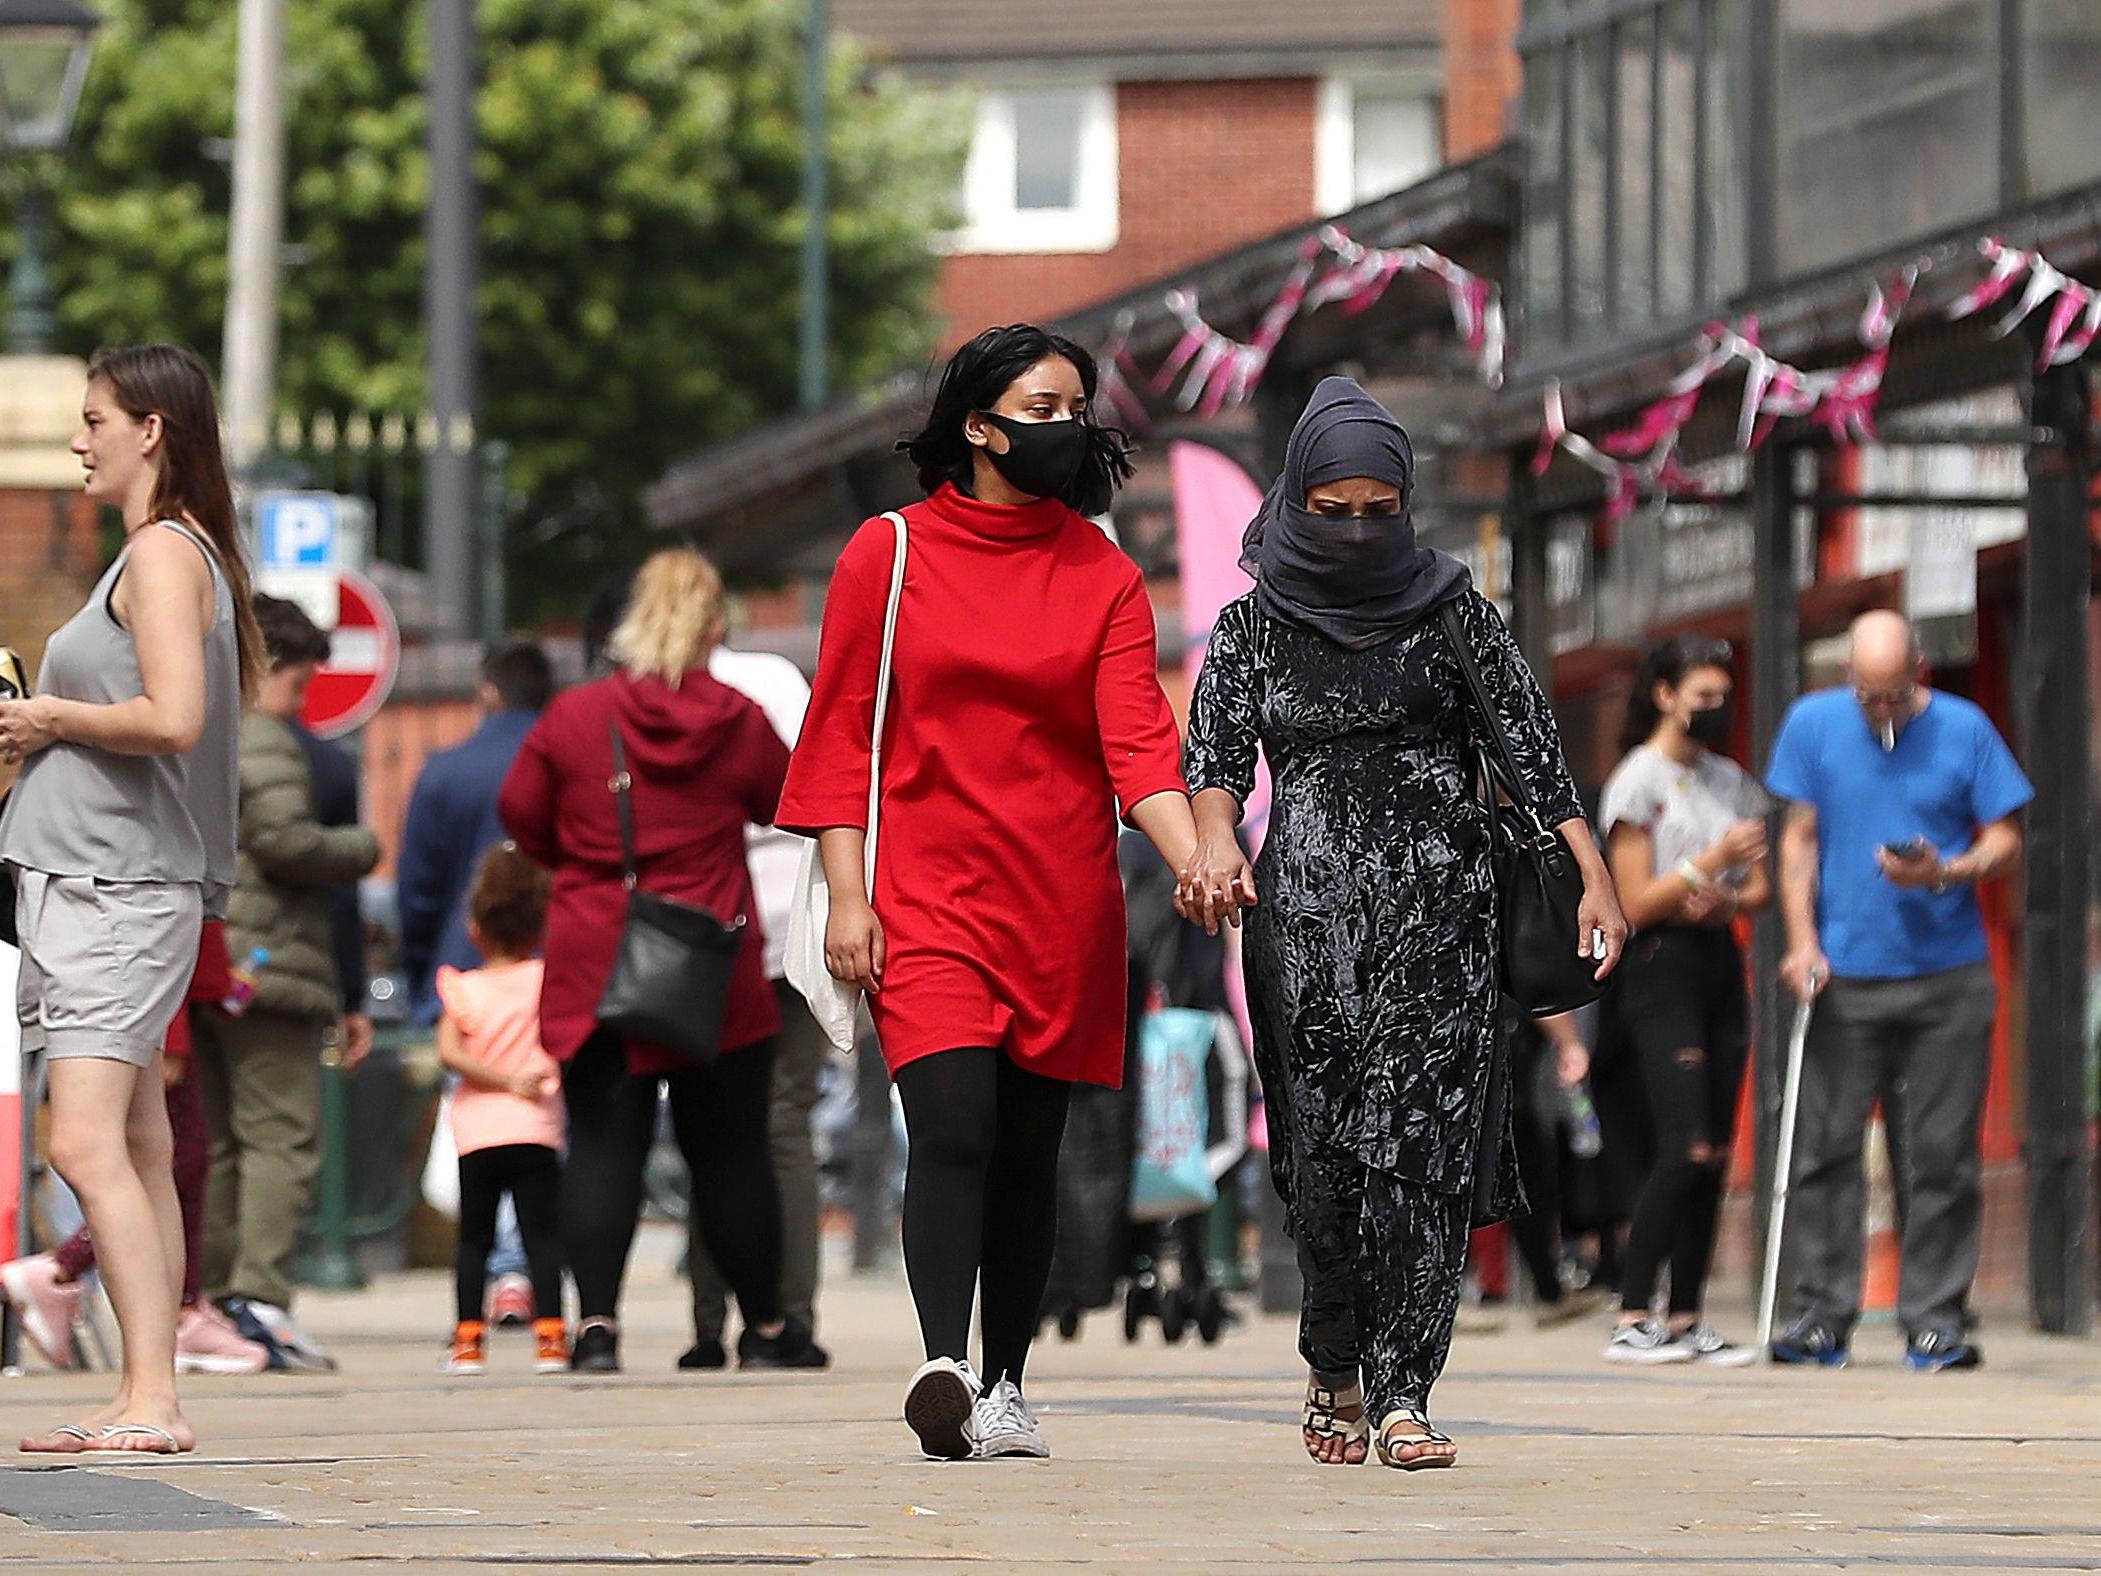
x=532, y=1175
x=981, y=1199
x=1683, y=1005
x=718, y=1116
x=1538, y=1232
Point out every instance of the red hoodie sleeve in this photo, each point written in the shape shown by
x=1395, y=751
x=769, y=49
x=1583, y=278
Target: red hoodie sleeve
x=526, y=802
x=828, y=778
x=210, y=981
x=1139, y=742
x=762, y=767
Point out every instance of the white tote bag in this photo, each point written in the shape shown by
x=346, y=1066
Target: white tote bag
x=834, y=1003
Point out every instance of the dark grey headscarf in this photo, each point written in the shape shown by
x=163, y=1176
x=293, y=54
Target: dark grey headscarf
x=1358, y=582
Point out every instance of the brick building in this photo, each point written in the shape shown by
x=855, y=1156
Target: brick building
x=1114, y=143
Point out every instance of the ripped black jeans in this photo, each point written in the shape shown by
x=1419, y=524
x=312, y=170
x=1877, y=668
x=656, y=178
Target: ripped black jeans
x=1683, y=1006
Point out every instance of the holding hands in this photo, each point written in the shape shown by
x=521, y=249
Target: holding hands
x=1216, y=883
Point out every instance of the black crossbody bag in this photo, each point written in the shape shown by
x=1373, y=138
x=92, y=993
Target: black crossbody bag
x=670, y=984
x=1539, y=887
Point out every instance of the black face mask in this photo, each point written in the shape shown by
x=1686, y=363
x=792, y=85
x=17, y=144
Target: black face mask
x=1710, y=728
x=1042, y=456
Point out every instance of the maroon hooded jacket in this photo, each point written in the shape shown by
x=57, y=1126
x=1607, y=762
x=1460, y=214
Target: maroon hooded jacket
x=705, y=762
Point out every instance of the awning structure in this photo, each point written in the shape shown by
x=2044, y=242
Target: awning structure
x=775, y=503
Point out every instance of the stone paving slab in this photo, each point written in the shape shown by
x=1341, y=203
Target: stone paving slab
x=1179, y=1458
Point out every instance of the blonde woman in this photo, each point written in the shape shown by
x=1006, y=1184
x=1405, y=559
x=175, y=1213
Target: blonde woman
x=704, y=763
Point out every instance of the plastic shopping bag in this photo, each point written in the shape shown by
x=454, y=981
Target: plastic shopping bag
x=1172, y=1175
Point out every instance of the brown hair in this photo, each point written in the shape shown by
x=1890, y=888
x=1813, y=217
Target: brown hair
x=508, y=902
x=289, y=636
x=171, y=382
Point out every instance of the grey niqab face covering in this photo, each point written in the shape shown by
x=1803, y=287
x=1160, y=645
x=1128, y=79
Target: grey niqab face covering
x=1359, y=581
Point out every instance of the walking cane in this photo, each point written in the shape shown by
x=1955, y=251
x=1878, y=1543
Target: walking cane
x=1783, y=1168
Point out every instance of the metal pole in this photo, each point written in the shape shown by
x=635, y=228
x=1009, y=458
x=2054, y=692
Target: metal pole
x=1776, y=680
x=2054, y=706
x=331, y=1263
x=255, y=237
x=816, y=204
x=492, y=519
x=32, y=319
x=1531, y=603
x=448, y=312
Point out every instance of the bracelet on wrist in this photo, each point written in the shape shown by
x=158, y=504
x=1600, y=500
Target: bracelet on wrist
x=1692, y=875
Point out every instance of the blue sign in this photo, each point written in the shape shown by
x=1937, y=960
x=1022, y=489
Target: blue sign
x=298, y=530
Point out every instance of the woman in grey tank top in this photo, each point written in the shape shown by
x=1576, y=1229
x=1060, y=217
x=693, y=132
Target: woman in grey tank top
x=120, y=837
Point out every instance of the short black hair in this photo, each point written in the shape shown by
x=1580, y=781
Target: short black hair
x=289, y=636
x=520, y=673
x=975, y=378
x=602, y=615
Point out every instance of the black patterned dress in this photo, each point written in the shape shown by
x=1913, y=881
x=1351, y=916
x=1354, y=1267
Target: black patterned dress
x=1370, y=957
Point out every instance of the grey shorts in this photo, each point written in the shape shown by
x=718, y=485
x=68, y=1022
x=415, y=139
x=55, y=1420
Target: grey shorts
x=105, y=964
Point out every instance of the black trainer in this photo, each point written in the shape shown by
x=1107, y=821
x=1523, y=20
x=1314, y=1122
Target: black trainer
x=1931, y=1351
x=1812, y=1343
x=597, y=1349
x=794, y=1347
x=704, y=1354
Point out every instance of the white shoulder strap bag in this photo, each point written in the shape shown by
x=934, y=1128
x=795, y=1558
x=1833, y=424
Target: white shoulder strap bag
x=834, y=1003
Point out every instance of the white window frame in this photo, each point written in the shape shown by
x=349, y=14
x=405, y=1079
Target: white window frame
x=1335, y=134
x=994, y=225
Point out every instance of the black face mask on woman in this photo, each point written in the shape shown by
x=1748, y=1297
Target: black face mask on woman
x=1710, y=727
x=1042, y=456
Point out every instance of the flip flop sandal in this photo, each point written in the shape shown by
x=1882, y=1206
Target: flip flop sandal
x=100, y=1446
x=73, y=1431
x=1390, y=1448
x=1321, y=1417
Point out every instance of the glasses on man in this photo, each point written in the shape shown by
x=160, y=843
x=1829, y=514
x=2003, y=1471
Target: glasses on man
x=1900, y=696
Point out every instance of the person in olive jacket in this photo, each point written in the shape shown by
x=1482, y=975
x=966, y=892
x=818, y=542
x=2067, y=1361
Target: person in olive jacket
x=261, y=1066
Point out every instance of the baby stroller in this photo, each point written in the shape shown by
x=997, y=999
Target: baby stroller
x=1192, y=1131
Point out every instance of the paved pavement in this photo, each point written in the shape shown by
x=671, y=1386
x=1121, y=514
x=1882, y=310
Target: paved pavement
x=1182, y=1458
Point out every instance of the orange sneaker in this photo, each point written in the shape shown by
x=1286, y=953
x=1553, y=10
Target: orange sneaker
x=552, y=1343
x=465, y=1357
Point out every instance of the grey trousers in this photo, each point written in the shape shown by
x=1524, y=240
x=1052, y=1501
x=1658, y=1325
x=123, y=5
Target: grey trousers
x=1923, y=1048
x=798, y=1058
x=1381, y=1259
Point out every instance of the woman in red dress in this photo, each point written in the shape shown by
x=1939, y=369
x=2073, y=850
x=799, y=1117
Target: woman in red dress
x=1026, y=709
x=703, y=762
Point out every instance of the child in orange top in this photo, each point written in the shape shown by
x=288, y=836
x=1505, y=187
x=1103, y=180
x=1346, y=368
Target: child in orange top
x=507, y=1110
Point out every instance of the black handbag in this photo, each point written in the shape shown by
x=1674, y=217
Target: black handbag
x=1539, y=886
x=670, y=984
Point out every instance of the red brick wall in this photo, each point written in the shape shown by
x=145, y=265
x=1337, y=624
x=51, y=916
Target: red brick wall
x=1201, y=167
x=49, y=560
x=1481, y=75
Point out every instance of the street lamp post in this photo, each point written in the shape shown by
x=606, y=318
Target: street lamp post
x=44, y=46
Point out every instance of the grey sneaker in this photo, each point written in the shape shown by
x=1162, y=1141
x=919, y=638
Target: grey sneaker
x=938, y=1405
x=1002, y=1424
x=1647, y=1343
x=1710, y=1346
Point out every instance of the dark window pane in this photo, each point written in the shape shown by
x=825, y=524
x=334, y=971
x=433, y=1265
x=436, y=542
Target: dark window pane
x=2064, y=93
x=1543, y=177
x=1587, y=185
x=1637, y=285
x=1888, y=120
x=1728, y=70
x=1047, y=149
x=1680, y=60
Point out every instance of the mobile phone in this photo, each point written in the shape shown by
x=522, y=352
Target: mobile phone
x=1910, y=848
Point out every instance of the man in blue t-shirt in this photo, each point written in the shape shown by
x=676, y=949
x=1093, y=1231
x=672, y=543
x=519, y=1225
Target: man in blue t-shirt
x=1901, y=799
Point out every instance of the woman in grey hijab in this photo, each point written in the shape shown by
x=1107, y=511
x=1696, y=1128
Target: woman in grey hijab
x=1371, y=956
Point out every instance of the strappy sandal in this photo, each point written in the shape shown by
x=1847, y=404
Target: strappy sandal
x=1391, y=1449
x=1323, y=1419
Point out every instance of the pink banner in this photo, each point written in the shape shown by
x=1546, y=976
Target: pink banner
x=1214, y=500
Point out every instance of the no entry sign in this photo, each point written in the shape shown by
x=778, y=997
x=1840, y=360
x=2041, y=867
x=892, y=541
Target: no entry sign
x=364, y=653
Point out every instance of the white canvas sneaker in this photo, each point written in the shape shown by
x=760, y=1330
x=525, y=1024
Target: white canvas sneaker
x=938, y=1405
x=1002, y=1424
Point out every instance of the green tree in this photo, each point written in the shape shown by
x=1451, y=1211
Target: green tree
x=639, y=169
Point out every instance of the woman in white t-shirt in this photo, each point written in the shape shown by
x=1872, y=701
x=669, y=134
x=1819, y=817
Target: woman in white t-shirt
x=1685, y=835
